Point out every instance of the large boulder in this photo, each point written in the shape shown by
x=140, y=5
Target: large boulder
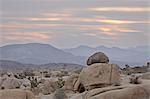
x=47, y=87
x=26, y=84
x=100, y=75
x=117, y=92
x=16, y=94
x=146, y=76
x=98, y=57
x=128, y=92
x=70, y=83
x=9, y=83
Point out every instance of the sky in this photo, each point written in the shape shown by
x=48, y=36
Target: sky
x=70, y=23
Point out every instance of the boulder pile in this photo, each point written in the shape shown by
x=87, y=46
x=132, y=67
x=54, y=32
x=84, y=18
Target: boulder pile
x=102, y=80
x=100, y=75
x=97, y=75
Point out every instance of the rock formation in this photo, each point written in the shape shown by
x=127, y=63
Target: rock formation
x=146, y=76
x=98, y=57
x=9, y=83
x=71, y=83
x=117, y=92
x=16, y=94
x=100, y=75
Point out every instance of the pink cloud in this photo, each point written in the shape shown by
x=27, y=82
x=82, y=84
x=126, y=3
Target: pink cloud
x=121, y=9
x=21, y=36
x=18, y=25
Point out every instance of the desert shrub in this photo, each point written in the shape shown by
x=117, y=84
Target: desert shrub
x=29, y=73
x=47, y=75
x=135, y=79
x=34, y=82
x=19, y=76
x=2, y=87
x=60, y=82
x=64, y=73
x=16, y=76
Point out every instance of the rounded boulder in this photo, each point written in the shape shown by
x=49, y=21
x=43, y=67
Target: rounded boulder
x=98, y=57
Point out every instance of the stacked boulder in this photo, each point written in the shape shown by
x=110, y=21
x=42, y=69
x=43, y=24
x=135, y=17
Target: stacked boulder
x=98, y=57
x=101, y=80
x=98, y=74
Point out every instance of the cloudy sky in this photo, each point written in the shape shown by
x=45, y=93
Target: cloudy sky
x=69, y=23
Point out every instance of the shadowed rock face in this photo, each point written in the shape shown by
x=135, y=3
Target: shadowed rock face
x=98, y=57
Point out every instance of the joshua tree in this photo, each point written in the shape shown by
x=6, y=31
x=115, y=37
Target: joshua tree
x=34, y=82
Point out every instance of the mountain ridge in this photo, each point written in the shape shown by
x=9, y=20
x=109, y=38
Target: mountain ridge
x=38, y=53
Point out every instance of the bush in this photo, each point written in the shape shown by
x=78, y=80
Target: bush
x=47, y=75
x=60, y=82
x=134, y=79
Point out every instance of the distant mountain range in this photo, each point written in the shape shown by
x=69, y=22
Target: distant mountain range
x=36, y=53
x=134, y=56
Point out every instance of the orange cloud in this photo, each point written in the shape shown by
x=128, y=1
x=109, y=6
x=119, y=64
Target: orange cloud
x=112, y=21
x=57, y=14
x=44, y=19
x=110, y=34
x=104, y=29
x=121, y=9
x=116, y=29
x=91, y=34
x=26, y=36
x=126, y=30
x=18, y=25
